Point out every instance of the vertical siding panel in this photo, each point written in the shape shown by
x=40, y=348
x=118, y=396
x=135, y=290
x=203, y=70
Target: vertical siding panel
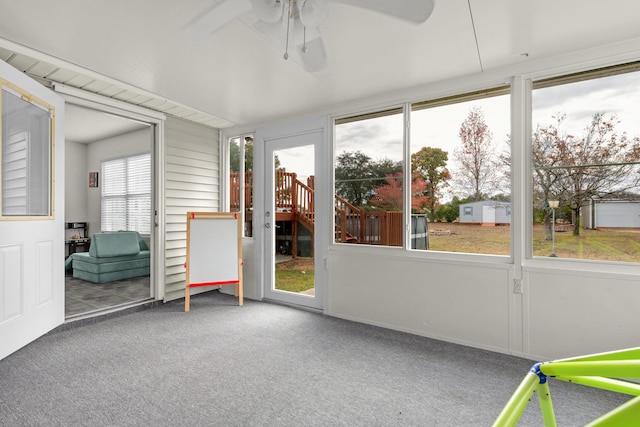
x=191, y=184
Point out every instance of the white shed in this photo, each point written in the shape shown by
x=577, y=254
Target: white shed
x=486, y=212
x=614, y=214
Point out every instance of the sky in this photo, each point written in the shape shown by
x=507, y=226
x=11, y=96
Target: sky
x=619, y=95
x=438, y=127
x=299, y=160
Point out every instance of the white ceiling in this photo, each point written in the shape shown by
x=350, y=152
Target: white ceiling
x=84, y=125
x=140, y=52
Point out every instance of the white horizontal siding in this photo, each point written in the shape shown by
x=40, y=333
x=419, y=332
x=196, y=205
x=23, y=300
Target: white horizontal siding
x=191, y=184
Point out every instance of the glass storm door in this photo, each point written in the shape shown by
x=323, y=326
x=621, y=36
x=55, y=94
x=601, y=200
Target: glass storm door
x=290, y=261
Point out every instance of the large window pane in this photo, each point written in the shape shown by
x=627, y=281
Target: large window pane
x=368, y=179
x=460, y=166
x=586, y=179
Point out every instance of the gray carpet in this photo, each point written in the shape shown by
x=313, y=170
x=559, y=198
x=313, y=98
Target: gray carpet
x=264, y=365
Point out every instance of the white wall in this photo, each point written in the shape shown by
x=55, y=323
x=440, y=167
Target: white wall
x=251, y=280
x=76, y=182
x=566, y=307
x=577, y=312
x=129, y=144
x=441, y=299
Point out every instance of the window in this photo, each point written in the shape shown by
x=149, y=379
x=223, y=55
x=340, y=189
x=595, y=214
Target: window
x=368, y=193
x=586, y=155
x=241, y=184
x=27, y=155
x=126, y=194
x=461, y=154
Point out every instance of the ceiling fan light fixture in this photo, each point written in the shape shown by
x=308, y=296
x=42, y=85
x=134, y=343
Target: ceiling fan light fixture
x=312, y=12
x=269, y=11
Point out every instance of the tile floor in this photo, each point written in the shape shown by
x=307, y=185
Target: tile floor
x=83, y=297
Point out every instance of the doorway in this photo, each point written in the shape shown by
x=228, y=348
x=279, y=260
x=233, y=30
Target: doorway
x=290, y=220
x=99, y=141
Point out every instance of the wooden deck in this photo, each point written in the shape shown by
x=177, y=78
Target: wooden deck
x=295, y=204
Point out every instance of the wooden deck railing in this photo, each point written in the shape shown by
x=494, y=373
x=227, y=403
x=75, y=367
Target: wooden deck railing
x=348, y=222
x=234, y=191
x=305, y=208
x=352, y=225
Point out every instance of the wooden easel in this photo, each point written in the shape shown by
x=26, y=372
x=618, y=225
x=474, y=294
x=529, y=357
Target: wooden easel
x=214, y=252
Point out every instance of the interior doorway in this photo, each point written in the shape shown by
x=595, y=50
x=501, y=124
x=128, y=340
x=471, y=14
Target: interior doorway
x=119, y=198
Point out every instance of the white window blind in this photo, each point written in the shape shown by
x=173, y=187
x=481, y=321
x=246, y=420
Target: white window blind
x=126, y=194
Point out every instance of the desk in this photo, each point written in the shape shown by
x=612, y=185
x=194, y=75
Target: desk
x=75, y=238
x=77, y=245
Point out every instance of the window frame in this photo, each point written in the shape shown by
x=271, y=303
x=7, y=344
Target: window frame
x=248, y=233
x=385, y=111
x=540, y=80
x=488, y=90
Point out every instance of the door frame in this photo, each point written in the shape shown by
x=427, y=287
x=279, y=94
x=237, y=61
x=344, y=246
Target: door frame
x=156, y=120
x=264, y=251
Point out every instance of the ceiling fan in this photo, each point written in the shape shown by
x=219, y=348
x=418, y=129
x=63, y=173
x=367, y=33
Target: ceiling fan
x=295, y=24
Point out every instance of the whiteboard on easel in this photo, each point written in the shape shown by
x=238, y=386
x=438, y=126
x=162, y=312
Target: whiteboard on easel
x=214, y=248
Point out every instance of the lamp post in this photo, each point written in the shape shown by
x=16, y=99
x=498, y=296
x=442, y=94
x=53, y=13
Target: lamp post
x=553, y=204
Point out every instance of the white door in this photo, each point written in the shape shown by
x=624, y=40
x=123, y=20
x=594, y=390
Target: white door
x=32, y=211
x=618, y=214
x=290, y=219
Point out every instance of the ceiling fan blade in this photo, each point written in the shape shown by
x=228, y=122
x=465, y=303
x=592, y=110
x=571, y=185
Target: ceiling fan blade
x=269, y=11
x=312, y=54
x=312, y=12
x=216, y=17
x=416, y=11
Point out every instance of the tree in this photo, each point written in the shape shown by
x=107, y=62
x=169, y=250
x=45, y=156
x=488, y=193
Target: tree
x=446, y=213
x=389, y=196
x=545, y=176
x=357, y=176
x=478, y=169
x=234, y=156
x=431, y=166
x=451, y=211
x=353, y=177
x=381, y=168
x=576, y=170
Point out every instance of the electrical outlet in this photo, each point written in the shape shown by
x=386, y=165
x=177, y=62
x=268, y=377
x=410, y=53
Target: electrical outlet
x=517, y=286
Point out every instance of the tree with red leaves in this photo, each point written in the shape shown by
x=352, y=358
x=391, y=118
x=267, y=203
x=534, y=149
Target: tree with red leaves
x=389, y=196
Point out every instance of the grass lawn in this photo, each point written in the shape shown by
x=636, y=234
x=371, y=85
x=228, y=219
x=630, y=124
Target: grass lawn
x=623, y=245
x=610, y=245
x=295, y=275
x=293, y=280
